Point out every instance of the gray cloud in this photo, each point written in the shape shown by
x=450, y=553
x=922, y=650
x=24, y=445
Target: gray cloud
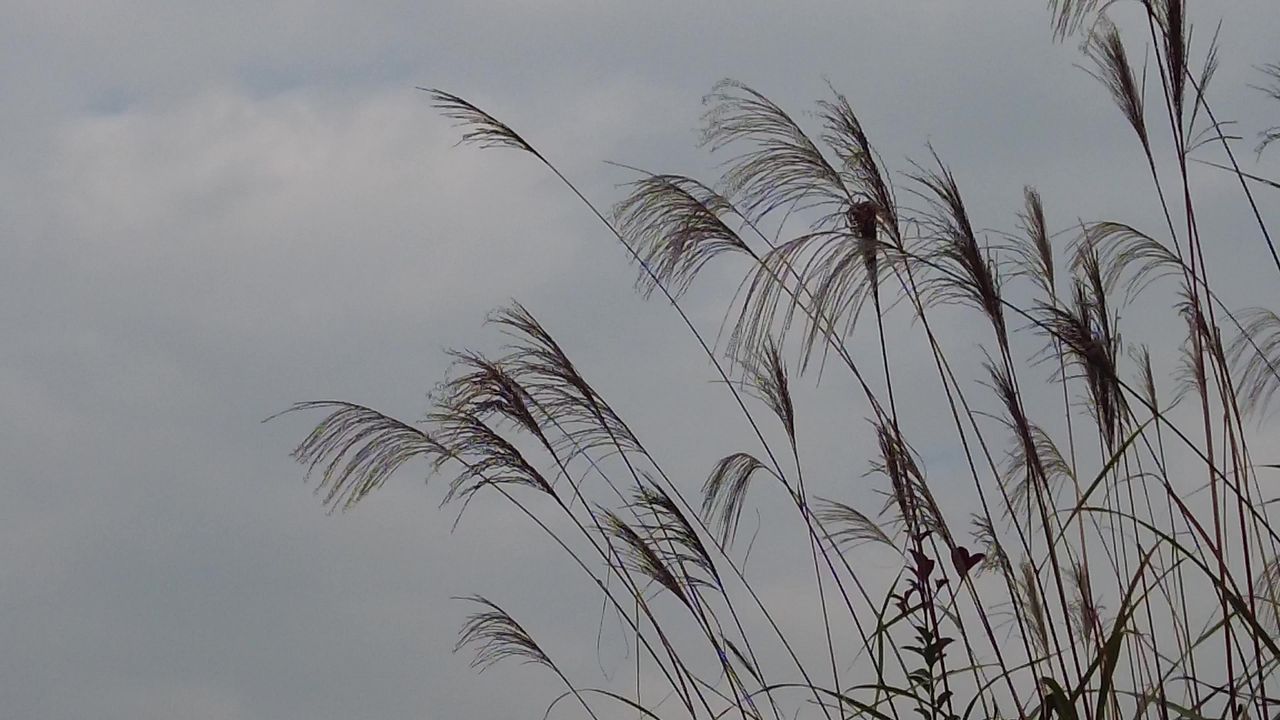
x=213, y=211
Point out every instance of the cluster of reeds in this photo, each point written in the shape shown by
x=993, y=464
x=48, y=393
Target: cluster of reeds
x=1114, y=556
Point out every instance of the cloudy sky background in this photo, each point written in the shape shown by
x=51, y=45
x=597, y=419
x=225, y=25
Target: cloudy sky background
x=211, y=211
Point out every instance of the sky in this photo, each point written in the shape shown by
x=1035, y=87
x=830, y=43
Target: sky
x=210, y=211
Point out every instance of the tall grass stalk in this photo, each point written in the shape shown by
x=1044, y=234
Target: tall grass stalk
x=1110, y=551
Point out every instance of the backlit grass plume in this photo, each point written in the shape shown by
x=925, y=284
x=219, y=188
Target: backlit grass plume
x=978, y=473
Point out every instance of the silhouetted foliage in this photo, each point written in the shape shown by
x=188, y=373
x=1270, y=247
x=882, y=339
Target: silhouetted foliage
x=1115, y=555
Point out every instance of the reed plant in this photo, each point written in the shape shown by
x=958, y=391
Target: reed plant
x=1102, y=546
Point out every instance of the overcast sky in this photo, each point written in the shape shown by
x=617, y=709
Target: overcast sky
x=210, y=211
